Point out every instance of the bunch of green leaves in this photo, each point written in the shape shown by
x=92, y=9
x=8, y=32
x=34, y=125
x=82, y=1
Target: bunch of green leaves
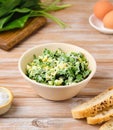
x=15, y=13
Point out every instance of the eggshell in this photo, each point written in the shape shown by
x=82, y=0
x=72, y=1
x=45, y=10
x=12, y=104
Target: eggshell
x=108, y=20
x=101, y=8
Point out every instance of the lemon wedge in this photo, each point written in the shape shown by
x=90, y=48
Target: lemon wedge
x=6, y=99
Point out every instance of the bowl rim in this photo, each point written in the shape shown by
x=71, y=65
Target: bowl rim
x=50, y=86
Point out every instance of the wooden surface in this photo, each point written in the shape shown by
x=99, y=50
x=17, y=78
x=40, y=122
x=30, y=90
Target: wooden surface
x=9, y=39
x=31, y=112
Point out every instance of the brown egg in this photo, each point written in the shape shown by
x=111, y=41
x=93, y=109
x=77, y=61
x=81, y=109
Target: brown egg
x=101, y=8
x=108, y=20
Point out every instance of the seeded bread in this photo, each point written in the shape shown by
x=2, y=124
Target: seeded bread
x=107, y=126
x=101, y=117
x=95, y=105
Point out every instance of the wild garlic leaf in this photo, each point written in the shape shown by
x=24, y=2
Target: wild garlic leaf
x=18, y=23
x=31, y=4
x=4, y=20
x=17, y=12
x=7, y=5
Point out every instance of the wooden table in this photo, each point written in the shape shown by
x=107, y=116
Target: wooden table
x=31, y=112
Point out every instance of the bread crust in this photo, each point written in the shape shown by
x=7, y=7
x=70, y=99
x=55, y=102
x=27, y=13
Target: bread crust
x=107, y=126
x=101, y=117
x=92, y=107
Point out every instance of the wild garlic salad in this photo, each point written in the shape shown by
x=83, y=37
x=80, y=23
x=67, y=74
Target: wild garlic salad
x=58, y=68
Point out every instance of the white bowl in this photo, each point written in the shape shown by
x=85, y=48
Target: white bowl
x=98, y=25
x=56, y=92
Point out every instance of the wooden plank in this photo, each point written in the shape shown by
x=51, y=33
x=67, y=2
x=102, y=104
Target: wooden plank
x=21, y=88
x=70, y=35
x=44, y=124
x=101, y=50
x=9, y=39
x=38, y=108
x=41, y=108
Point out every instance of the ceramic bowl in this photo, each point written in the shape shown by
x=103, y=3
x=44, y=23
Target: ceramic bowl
x=56, y=93
x=98, y=25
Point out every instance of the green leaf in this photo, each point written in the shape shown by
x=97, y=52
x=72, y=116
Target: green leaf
x=18, y=23
x=53, y=6
x=4, y=20
x=6, y=23
x=7, y=5
x=31, y=4
x=15, y=13
x=79, y=78
x=23, y=10
x=47, y=15
x=86, y=73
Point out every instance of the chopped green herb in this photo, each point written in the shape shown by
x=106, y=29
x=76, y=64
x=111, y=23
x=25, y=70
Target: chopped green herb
x=58, y=68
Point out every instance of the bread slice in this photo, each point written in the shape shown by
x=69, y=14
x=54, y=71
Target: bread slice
x=107, y=126
x=101, y=117
x=95, y=105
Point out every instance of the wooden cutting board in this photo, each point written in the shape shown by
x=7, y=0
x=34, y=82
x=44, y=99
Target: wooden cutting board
x=10, y=38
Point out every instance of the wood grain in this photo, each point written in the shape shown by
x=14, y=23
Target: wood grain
x=29, y=111
x=94, y=87
x=44, y=124
x=10, y=38
x=38, y=107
